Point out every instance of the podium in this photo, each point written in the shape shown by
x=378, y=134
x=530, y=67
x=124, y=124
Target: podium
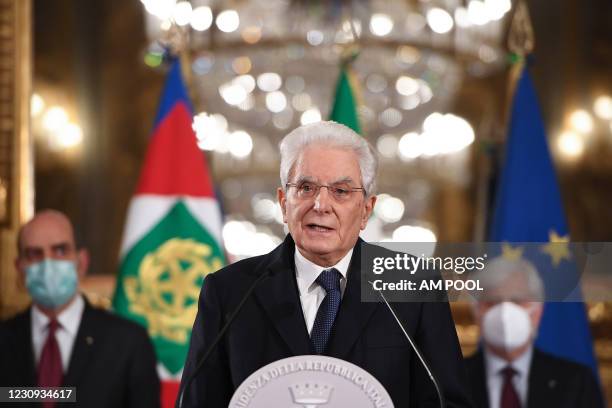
x=311, y=381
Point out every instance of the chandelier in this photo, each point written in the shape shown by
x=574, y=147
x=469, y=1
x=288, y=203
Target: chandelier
x=259, y=68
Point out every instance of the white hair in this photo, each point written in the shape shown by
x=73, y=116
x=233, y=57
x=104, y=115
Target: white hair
x=332, y=134
x=499, y=271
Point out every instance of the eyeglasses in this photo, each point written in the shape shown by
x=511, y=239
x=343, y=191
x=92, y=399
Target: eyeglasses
x=308, y=189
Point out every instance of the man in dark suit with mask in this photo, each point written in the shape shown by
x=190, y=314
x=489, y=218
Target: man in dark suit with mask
x=310, y=301
x=61, y=340
x=508, y=371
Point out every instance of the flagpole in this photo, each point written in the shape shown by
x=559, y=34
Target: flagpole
x=186, y=71
x=521, y=42
x=346, y=97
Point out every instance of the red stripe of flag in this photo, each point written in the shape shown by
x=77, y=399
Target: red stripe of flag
x=173, y=164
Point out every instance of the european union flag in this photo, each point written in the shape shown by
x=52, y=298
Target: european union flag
x=528, y=208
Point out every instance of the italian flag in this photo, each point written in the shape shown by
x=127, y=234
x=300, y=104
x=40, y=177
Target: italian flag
x=172, y=236
x=345, y=102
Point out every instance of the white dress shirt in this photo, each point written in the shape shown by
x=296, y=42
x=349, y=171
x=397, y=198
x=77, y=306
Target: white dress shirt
x=495, y=378
x=69, y=320
x=311, y=293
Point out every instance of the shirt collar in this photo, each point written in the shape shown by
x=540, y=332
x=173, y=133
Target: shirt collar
x=307, y=271
x=495, y=364
x=68, y=319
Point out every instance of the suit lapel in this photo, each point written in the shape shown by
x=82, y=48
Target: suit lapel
x=479, y=380
x=278, y=295
x=83, y=347
x=541, y=390
x=23, y=347
x=353, y=314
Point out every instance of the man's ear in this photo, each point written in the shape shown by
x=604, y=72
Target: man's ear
x=82, y=262
x=367, y=211
x=21, y=278
x=536, y=314
x=282, y=201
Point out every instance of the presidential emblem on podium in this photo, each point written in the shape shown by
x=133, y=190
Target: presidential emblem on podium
x=311, y=382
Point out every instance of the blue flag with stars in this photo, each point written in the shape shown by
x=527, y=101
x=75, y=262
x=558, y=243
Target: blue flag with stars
x=528, y=208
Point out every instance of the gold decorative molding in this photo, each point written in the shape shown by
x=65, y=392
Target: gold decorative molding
x=16, y=180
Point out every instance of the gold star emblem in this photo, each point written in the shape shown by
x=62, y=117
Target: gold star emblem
x=557, y=248
x=511, y=254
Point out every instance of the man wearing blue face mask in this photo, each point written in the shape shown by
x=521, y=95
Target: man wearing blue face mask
x=508, y=371
x=61, y=340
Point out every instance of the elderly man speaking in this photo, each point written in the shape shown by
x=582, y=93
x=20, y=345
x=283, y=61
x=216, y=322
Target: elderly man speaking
x=309, y=302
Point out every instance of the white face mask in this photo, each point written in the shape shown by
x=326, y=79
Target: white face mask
x=507, y=325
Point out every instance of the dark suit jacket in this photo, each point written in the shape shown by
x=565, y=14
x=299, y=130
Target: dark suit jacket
x=553, y=382
x=271, y=327
x=112, y=364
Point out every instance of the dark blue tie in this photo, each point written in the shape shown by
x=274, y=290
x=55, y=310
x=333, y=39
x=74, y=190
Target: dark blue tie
x=329, y=280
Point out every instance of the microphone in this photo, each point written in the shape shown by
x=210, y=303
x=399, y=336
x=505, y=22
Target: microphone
x=414, y=347
x=220, y=335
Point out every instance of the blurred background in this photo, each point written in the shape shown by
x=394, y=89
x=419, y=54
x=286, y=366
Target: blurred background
x=433, y=81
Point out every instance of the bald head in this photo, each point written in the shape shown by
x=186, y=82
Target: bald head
x=44, y=226
x=49, y=234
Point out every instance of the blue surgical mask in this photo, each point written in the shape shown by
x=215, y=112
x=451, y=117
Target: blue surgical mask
x=51, y=282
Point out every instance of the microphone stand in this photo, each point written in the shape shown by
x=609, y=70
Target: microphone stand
x=415, y=348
